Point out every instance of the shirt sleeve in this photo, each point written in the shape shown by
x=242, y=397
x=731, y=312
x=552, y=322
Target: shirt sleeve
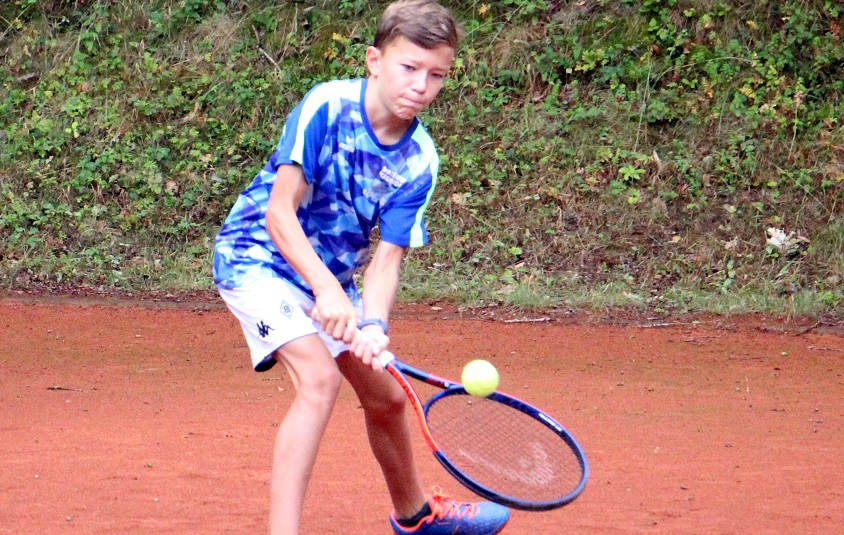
x=403, y=218
x=304, y=135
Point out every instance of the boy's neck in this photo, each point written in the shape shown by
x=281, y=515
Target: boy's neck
x=388, y=128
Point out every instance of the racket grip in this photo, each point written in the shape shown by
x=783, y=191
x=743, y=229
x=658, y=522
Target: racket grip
x=385, y=358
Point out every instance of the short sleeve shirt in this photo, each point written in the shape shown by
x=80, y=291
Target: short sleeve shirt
x=355, y=183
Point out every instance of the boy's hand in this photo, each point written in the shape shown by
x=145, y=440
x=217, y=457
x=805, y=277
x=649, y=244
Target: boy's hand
x=337, y=316
x=368, y=343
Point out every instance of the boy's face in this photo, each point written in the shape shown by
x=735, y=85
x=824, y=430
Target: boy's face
x=408, y=77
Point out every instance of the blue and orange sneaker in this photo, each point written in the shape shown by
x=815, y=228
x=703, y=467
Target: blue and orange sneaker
x=449, y=517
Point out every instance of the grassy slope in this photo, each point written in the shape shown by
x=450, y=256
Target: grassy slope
x=595, y=154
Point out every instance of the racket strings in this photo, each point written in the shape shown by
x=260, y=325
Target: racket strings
x=504, y=449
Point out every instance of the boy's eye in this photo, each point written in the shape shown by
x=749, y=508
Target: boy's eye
x=408, y=68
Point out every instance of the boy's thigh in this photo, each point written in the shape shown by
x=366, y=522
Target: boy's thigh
x=272, y=312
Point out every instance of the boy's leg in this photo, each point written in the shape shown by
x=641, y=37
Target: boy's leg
x=383, y=402
x=275, y=322
x=317, y=381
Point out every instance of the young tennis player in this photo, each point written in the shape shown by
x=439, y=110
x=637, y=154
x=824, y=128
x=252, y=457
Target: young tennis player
x=352, y=156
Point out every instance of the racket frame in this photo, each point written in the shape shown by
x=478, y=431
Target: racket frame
x=400, y=371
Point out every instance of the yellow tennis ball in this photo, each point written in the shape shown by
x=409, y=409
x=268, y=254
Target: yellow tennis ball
x=480, y=378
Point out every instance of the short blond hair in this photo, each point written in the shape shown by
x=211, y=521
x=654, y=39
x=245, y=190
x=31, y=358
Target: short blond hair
x=424, y=23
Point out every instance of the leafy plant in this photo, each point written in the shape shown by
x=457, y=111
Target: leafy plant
x=588, y=150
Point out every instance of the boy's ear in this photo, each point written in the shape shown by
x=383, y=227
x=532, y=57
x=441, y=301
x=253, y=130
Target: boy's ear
x=373, y=60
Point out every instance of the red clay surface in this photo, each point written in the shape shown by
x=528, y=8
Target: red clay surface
x=126, y=419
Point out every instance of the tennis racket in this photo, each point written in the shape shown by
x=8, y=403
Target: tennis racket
x=499, y=447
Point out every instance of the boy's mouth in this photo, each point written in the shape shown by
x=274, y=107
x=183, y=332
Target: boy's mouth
x=415, y=104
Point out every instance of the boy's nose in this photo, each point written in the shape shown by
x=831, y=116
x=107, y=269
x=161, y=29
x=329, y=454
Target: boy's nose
x=420, y=82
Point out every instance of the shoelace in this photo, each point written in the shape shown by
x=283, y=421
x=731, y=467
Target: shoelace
x=442, y=506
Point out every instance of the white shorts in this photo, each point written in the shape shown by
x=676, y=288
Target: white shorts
x=273, y=312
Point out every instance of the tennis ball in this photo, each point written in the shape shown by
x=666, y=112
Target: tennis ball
x=480, y=378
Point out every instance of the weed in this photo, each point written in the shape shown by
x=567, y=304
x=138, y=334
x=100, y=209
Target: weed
x=625, y=153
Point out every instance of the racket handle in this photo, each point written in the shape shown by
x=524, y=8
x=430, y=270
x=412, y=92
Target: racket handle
x=385, y=358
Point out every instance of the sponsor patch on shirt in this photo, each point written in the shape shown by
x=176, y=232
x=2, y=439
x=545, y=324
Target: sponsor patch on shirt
x=391, y=177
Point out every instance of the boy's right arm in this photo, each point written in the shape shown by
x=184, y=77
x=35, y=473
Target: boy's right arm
x=333, y=307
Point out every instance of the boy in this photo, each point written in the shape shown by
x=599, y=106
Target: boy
x=352, y=155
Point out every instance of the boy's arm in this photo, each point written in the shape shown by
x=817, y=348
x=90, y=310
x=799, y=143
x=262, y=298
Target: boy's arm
x=334, y=309
x=381, y=280
x=380, y=285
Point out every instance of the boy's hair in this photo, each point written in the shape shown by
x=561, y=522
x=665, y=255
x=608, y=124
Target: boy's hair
x=424, y=23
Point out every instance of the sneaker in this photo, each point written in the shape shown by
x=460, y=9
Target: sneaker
x=449, y=517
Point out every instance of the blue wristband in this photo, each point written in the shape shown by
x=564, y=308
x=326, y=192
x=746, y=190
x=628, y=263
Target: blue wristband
x=374, y=321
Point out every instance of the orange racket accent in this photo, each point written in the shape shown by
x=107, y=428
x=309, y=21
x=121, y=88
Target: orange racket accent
x=415, y=402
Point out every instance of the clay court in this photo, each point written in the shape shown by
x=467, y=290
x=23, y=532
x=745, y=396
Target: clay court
x=125, y=417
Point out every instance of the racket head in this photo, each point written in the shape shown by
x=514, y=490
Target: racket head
x=498, y=446
x=506, y=450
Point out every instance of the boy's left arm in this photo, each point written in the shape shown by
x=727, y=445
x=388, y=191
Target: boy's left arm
x=380, y=285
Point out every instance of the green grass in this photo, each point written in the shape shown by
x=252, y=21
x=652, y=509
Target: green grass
x=624, y=154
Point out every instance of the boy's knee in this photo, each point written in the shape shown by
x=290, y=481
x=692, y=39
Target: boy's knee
x=386, y=406
x=323, y=386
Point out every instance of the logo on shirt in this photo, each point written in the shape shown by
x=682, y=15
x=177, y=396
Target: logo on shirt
x=348, y=145
x=391, y=177
x=286, y=309
x=378, y=191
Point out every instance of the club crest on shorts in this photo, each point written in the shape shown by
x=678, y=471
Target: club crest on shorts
x=286, y=309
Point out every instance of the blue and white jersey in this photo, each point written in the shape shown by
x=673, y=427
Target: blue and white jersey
x=355, y=183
